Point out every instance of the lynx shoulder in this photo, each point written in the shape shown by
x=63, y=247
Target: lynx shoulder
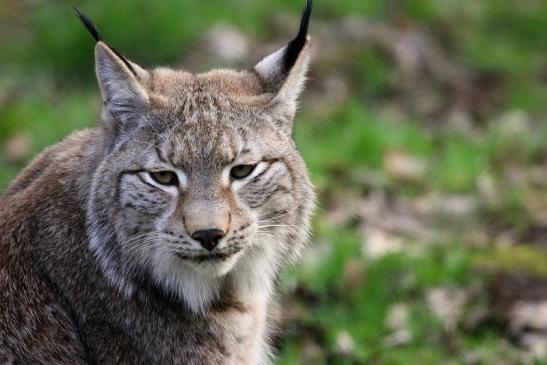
x=156, y=237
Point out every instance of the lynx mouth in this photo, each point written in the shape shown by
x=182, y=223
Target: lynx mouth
x=214, y=256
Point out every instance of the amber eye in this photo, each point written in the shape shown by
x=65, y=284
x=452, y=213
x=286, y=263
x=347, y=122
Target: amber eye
x=165, y=177
x=241, y=171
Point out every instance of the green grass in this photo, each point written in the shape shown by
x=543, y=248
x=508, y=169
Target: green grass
x=361, y=311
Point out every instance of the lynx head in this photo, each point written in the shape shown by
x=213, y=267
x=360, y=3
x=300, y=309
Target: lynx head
x=199, y=187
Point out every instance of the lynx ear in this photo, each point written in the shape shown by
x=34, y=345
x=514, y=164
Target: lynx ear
x=120, y=80
x=284, y=71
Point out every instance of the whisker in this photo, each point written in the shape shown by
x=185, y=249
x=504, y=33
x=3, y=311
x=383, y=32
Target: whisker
x=284, y=214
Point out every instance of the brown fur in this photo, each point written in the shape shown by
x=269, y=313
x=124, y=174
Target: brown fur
x=78, y=284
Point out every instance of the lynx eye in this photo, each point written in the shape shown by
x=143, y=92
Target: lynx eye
x=164, y=177
x=241, y=171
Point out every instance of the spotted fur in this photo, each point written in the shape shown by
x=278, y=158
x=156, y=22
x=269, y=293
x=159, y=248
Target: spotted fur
x=97, y=260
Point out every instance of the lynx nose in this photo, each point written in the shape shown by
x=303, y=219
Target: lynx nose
x=208, y=238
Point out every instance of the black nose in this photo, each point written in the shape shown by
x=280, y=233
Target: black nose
x=208, y=237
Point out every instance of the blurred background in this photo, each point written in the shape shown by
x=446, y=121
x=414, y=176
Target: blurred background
x=424, y=128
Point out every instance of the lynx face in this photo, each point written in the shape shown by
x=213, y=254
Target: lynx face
x=200, y=183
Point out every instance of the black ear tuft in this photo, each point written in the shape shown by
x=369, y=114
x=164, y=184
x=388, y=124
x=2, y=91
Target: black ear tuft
x=295, y=46
x=89, y=25
x=95, y=33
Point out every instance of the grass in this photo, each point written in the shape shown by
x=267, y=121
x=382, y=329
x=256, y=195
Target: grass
x=362, y=310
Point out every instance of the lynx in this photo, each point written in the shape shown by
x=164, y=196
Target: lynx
x=158, y=236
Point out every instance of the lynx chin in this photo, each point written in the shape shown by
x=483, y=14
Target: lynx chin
x=157, y=236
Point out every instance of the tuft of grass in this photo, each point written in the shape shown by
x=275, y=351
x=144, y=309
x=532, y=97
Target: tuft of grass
x=523, y=258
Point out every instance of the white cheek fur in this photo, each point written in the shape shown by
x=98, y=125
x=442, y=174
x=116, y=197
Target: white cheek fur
x=183, y=180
